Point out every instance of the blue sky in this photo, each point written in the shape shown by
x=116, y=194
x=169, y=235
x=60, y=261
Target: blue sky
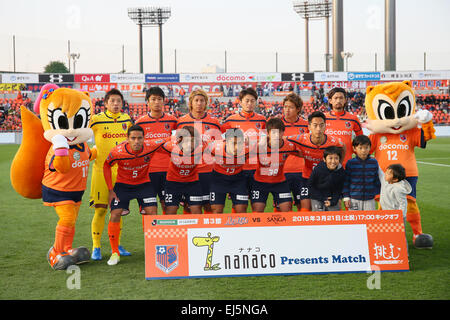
x=251, y=31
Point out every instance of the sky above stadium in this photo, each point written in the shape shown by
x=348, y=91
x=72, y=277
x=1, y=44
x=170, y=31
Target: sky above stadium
x=252, y=32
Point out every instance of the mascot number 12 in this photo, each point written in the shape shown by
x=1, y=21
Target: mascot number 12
x=52, y=163
x=395, y=132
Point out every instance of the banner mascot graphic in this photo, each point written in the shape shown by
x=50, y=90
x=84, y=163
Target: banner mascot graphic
x=396, y=129
x=52, y=163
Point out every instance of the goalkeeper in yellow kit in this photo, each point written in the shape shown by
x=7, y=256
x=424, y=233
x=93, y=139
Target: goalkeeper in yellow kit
x=110, y=128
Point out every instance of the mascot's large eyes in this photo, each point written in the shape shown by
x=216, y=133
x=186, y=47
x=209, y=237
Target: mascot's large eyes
x=385, y=110
x=81, y=119
x=58, y=119
x=404, y=108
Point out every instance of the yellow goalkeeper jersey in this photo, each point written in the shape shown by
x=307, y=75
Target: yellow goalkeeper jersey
x=109, y=130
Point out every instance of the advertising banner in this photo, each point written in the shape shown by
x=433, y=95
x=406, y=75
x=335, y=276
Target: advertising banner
x=298, y=76
x=229, y=77
x=330, y=76
x=367, y=76
x=220, y=245
x=127, y=77
x=56, y=78
x=20, y=77
x=98, y=78
x=162, y=77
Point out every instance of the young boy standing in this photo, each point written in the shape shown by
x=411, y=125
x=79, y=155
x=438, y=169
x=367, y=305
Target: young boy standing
x=327, y=181
x=362, y=183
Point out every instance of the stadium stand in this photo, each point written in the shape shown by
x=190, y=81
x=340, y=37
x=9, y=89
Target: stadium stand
x=437, y=104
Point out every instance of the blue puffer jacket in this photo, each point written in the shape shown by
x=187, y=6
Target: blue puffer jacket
x=362, y=181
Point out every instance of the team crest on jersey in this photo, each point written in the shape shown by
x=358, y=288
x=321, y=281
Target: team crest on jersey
x=206, y=127
x=167, y=126
x=124, y=126
x=258, y=125
x=76, y=156
x=348, y=125
x=285, y=156
x=147, y=159
x=301, y=130
x=383, y=139
x=166, y=258
x=403, y=137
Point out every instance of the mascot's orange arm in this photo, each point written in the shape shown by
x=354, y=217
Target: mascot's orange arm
x=61, y=164
x=428, y=130
x=27, y=167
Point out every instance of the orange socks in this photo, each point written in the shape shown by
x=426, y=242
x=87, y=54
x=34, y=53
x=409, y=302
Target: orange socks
x=114, y=233
x=63, y=238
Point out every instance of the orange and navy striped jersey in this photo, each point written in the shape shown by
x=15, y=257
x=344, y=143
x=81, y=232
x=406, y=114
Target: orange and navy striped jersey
x=270, y=166
x=209, y=128
x=300, y=126
x=342, y=126
x=155, y=129
x=312, y=153
x=76, y=178
x=182, y=167
x=398, y=148
x=225, y=162
x=132, y=166
x=251, y=124
x=109, y=130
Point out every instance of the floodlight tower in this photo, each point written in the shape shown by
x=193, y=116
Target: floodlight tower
x=150, y=16
x=75, y=57
x=314, y=9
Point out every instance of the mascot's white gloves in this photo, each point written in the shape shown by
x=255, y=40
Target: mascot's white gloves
x=59, y=142
x=423, y=116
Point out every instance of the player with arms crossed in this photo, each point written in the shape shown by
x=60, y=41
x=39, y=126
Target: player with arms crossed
x=157, y=124
x=110, y=129
x=312, y=145
x=132, y=158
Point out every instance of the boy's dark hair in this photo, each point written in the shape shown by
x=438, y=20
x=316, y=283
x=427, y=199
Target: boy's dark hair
x=316, y=114
x=135, y=127
x=157, y=91
x=361, y=140
x=335, y=90
x=398, y=171
x=333, y=150
x=247, y=91
x=234, y=133
x=111, y=92
x=275, y=123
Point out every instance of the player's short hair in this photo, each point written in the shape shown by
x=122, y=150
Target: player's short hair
x=333, y=150
x=295, y=99
x=361, y=140
x=398, y=171
x=247, y=91
x=135, y=127
x=154, y=91
x=198, y=92
x=234, y=133
x=316, y=114
x=111, y=92
x=335, y=90
x=275, y=123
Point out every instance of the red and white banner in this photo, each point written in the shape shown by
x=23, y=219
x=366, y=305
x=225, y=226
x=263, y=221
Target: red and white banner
x=92, y=78
x=274, y=244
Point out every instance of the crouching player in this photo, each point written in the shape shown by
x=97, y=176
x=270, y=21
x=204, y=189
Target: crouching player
x=182, y=181
x=230, y=156
x=273, y=151
x=132, y=158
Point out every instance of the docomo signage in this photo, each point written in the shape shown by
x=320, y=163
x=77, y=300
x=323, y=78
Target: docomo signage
x=274, y=244
x=92, y=78
x=229, y=77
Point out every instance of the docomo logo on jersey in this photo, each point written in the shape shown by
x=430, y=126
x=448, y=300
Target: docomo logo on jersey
x=393, y=147
x=78, y=164
x=114, y=135
x=151, y=135
x=332, y=132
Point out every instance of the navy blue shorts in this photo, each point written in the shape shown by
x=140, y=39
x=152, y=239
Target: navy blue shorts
x=190, y=192
x=304, y=189
x=413, y=182
x=250, y=178
x=280, y=192
x=295, y=182
x=235, y=186
x=50, y=195
x=143, y=193
x=158, y=180
x=205, y=181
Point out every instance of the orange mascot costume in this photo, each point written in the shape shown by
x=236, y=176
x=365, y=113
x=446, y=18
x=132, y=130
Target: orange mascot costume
x=52, y=163
x=396, y=129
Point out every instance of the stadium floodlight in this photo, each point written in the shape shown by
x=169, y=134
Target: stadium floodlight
x=150, y=16
x=346, y=56
x=314, y=9
x=75, y=57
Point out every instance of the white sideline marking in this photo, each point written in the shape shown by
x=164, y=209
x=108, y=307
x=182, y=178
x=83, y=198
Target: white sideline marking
x=434, y=164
